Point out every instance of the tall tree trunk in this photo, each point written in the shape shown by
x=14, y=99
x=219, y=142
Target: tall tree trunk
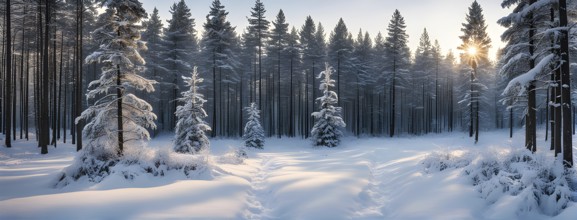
x=26, y=93
x=44, y=120
x=291, y=108
x=547, y=115
x=213, y=134
x=65, y=115
x=8, y=81
x=119, y=110
x=565, y=86
x=393, y=101
x=531, y=120
x=79, y=81
x=278, y=113
x=60, y=83
x=54, y=101
x=471, y=108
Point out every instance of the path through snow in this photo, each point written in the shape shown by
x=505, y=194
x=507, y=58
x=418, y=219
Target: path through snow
x=370, y=178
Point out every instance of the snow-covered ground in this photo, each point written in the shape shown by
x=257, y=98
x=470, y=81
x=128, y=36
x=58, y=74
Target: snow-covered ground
x=368, y=178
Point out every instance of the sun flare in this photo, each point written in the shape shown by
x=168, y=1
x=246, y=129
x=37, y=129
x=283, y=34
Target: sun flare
x=472, y=51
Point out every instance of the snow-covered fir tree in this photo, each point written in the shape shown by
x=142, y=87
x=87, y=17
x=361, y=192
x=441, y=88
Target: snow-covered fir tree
x=328, y=121
x=117, y=118
x=117, y=121
x=191, y=127
x=253, y=132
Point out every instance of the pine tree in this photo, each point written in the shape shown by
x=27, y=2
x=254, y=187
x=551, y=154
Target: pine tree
x=153, y=36
x=307, y=46
x=422, y=78
x=339, y=52
x=253, y=132
x=217, y=44
x=364, y=81
x=437, y=59
x=191, y=127
x=293, y=56
x=258, y=29
x=276, y=50
x=475, y=38
x=397, y=56
x=326, y=131
x=116, y=118
x=378, y=60
x=180, y=48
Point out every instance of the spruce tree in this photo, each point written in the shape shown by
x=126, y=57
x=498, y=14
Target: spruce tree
x=190, y=128
x=328, y=121
x=253, y=131
x=397, y=56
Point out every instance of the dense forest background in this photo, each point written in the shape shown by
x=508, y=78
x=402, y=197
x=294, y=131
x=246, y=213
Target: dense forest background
x=384, y=88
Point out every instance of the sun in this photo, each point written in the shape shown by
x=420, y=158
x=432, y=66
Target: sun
x=472, y=51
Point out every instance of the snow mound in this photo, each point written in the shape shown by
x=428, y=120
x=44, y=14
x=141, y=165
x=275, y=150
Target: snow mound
x=531, y=183
x=135, y=162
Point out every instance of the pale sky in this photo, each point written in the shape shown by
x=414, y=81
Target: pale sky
x=442, y=18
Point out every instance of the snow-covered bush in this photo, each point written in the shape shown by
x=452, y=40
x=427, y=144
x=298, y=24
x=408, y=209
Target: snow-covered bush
x=166, y=160
x=235, y=155
x=134, y=163
x=253, y=132
x=328, y=121
x=191, y=127
x=540, y=181
x=441, y=160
